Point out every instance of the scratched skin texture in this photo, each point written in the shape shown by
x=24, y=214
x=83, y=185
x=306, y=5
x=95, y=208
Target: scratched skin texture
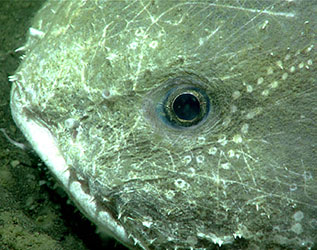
x=100, y=69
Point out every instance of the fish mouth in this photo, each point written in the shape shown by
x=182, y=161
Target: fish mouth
x=45, y=145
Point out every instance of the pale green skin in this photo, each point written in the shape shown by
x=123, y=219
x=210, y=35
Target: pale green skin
x=249, y=170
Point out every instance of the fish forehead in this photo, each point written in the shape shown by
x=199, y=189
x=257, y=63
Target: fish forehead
x=101, y=67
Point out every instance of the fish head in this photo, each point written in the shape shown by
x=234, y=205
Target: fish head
x=177, y=124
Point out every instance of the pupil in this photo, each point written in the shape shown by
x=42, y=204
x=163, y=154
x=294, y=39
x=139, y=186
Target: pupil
x=186, y=107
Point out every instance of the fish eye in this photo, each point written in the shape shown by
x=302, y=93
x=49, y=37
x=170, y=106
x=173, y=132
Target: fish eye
x=183, y=103
x=185, y=106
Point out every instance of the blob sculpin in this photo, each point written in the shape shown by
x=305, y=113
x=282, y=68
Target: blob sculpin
x=178, y=124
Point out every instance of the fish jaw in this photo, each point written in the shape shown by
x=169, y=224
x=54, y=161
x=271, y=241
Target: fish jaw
x=45, y=145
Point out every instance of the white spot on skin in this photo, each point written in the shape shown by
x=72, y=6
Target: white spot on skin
x=313, y=223
x=265, y=24
x=133, y=45
x=245, y=128
x=279, y=64
x=181, y=184
x=71, y=123
x=270, y=71
x=301, y=65
x=260, y=80
x=284, y=76
x=292, y=69
x=192, y=171
x=200, y=159
x=153, y=44
x=201, y=41
x=112, y=56
x=287, y=57
x=249, y=88
x=187, y=159
x=226, y=121
x=225, y=165
x=105, y=94
x=201, y=139
x=237, y=138
x=276, y=229
x=236, y=95
x=212, y=151
x=222, y=141
x=109, y=93
x=265, y=92
x=309, y=48
x=307, y=176
x=147, y=223
x=293, y=187
x=274, y=84
x=233, y=108
x=170, y=195
x=191, y=240
x=231, y=153
x=139, y=32
x=253, y=113
x=298, y=216
x=297, y=228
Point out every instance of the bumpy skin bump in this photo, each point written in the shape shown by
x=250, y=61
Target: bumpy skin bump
x=93, y=79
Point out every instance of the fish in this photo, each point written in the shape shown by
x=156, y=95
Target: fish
x=177, y=124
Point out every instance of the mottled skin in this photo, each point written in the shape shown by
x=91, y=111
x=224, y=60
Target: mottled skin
x=249, y=170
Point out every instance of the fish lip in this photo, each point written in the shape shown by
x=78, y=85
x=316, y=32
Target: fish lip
x=46, y=146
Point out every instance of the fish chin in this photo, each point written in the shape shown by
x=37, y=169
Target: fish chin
x=44, y=144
